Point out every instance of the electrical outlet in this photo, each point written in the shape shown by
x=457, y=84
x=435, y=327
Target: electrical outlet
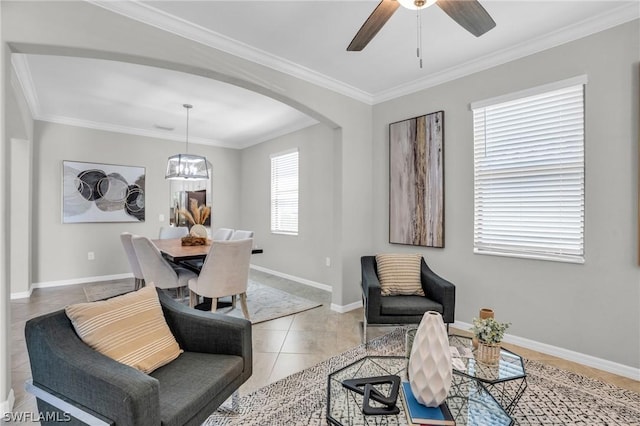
x=327, y=261
x=91, y=255
x=161, y=218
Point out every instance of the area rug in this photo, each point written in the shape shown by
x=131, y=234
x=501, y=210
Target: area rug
x=265, y=303
x=553, y=396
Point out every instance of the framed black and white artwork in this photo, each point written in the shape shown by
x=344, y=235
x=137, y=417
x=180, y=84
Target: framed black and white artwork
x=96, y=192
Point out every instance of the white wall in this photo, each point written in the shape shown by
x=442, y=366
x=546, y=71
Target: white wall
x=592, y=308
x=302, y=255
x=60, y=250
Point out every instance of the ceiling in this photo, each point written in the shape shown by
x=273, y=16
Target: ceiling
x=306, y=39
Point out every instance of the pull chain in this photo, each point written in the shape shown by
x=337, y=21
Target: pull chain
x=419, y=36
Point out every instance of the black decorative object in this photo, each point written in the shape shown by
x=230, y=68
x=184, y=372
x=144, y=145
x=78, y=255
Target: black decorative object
x=365, y=386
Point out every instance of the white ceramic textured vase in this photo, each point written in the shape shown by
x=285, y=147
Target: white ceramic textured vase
x=430, y=361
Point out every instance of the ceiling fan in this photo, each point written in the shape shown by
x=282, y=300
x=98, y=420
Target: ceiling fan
x=468, y=13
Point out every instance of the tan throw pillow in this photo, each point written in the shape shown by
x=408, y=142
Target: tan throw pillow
x=399, y=274
x=130, y=329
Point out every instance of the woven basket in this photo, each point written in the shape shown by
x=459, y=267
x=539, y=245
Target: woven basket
x=488, y=353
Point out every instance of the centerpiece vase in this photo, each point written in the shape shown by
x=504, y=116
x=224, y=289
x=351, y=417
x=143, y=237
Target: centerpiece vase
x=484, y=314
x=429, y=367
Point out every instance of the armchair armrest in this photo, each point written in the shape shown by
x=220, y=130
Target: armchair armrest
x=62, y=363
x=371, y=290
x=207, y=332
x=439, y=290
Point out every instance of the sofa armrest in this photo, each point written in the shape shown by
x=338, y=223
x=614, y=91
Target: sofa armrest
x=439, y=290
x=371, y=290
x=63, y=363
x=207, y=332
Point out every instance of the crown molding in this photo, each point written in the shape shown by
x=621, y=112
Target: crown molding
x=151, y=16
x=303, y=124
x=109, y=127
x=25, y=80
x=610, y=19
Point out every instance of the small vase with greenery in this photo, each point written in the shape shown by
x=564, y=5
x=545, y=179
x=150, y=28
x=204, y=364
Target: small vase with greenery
x=488, y=330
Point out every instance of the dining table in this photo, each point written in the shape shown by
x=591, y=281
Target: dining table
x=188, y=256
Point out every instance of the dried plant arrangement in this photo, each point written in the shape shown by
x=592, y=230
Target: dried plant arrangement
x=195, y=215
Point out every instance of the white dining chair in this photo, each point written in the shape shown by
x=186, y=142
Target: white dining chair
x=239, y=234
x=222, y=234
x=156, y=269
x=167, y=232
x=125, y=238
x=225, y=273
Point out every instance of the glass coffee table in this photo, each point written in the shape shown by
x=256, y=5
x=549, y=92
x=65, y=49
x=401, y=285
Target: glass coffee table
x=506, y=381
x=469, y=400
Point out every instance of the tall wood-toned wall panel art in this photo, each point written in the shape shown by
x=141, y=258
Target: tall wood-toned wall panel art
x=416, y=181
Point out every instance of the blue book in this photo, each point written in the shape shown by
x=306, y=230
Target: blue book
x=423, y=415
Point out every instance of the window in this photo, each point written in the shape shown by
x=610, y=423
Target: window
x=529, y=173
x=284, y=193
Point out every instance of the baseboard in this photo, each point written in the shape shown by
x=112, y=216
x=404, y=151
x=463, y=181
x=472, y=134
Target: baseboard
x=346, y=308
x=7, y=406
x=304, y=281
x=74, y=281
x=22, y=294
x=588, y=360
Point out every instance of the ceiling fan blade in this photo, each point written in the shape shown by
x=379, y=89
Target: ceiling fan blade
x=373, y=24
x=469, y=14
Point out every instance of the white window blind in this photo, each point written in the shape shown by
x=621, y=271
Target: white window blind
x=529, y=175
x=284, y=193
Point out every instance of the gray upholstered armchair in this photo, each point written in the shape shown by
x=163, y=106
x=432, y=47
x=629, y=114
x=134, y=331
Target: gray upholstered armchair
x=388, y=310
x=71, y=378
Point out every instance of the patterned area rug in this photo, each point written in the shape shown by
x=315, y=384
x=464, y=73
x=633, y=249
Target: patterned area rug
x=265, y=303
x=553, y=396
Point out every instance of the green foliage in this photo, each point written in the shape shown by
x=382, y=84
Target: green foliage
x=489, y=330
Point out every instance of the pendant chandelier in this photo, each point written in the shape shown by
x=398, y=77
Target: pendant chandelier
x=187, y=166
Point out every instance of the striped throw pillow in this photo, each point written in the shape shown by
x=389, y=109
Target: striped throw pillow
x=130, y=329
x=399, y=274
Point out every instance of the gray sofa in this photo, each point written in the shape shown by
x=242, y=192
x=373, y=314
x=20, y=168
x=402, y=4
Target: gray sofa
x=217, y=359
x=387, y=310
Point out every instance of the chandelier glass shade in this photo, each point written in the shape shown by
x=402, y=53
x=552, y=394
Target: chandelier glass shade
x=187, y=166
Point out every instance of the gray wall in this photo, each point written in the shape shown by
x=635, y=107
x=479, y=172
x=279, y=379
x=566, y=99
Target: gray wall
x=302, y=255
x=60, y=250
x=63, y=28
x=591, y=308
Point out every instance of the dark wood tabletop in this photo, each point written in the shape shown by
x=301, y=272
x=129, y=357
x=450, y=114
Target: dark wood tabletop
x=173, y=250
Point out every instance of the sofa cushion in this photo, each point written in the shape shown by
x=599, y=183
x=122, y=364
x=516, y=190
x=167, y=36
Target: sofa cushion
x=130, y=329
x=399, y=274
x=191, y=382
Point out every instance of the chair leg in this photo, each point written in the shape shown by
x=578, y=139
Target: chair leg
x=214, y=304
x=235, y=401
x=193, y=298
x=233, y=301
x=243, y=304
x=364, y=329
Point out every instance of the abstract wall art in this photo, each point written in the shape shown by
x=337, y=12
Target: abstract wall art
x=416, y=181
x=94, y=192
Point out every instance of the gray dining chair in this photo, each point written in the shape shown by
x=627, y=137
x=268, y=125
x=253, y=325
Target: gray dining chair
x=125, y=238
x=222, y=234
x=225, y=273
x=157, y=270
x=239, y=234
x=167, y=232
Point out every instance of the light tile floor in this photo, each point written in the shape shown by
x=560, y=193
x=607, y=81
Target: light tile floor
x=280, y=347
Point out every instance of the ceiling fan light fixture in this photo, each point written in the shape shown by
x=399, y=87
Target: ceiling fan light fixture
x=187, y=166
x=416, y=4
